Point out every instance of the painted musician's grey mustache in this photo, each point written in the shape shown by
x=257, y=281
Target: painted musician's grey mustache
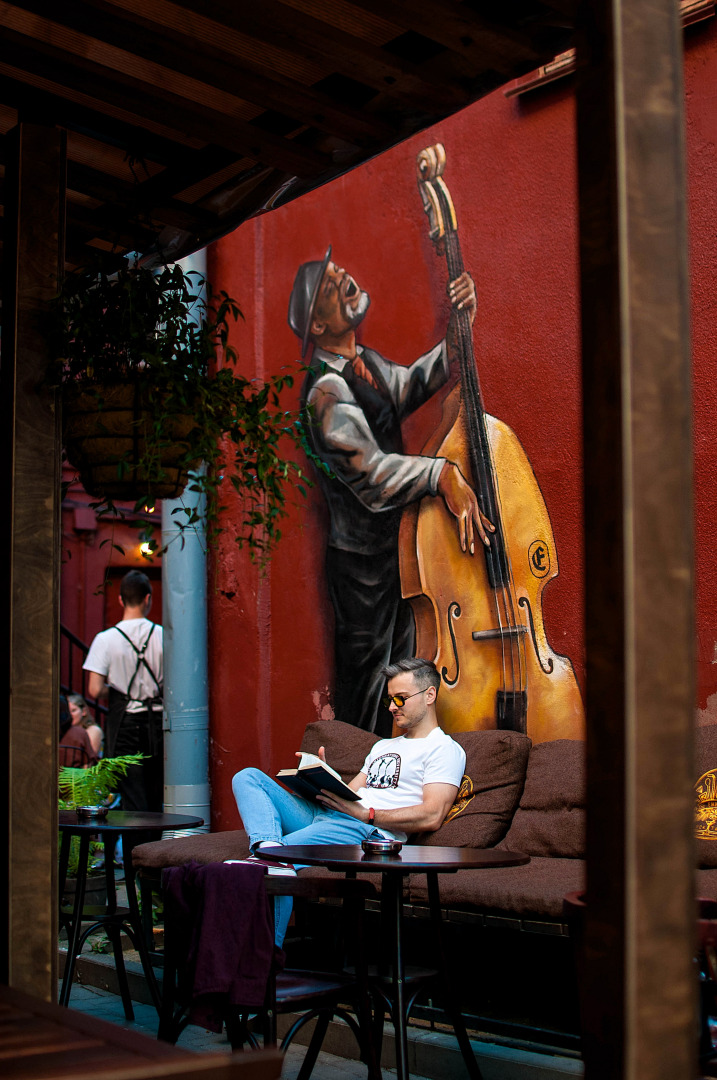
x=354, y=313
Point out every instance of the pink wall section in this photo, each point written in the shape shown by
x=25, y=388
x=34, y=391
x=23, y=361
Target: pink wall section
x=96, y=553
x=512, y=173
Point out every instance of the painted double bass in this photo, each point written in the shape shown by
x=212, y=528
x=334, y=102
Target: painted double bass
x=479, y=617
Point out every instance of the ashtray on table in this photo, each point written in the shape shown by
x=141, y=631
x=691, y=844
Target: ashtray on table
x=91, y=813
x=381, y=846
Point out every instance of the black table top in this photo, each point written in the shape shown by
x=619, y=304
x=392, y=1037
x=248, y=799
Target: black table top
x=127, y=821
x=413, y=858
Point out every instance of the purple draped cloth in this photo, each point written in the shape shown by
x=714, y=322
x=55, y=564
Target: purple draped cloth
x=219, y=925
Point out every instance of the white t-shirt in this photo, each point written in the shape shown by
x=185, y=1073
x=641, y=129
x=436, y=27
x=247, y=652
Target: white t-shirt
x=397, y=769
x=110, y=655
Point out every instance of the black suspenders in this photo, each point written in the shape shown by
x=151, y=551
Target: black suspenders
x=141, y=659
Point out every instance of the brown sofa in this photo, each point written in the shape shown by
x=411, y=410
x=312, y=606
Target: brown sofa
x=514, y=795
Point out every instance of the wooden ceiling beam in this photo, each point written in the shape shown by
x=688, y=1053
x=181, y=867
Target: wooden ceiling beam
x=135, y=141
x=111, y=224
x=336, y=51
x=197, y=168
x=157, y=104
x=109, y=189
x=217, y=68
x=460, y=29
x=237, y=107
x=79, y=252
x=567, y=8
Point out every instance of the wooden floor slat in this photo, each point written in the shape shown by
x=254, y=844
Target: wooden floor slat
x=39, y=1041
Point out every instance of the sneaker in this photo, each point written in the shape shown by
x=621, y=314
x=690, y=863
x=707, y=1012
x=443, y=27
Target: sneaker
x=276, y=869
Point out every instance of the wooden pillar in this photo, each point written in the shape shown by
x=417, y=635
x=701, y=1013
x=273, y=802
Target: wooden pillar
x=640, y=992
x=30, y=505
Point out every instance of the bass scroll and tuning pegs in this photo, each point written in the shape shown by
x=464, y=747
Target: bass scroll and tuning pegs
x=436, y=197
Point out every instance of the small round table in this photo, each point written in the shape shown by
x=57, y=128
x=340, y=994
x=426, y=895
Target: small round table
x=127, y=825
x=412, y=859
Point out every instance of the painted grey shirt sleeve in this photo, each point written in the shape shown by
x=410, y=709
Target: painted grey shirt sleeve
x=344, y=440
x=411, y=386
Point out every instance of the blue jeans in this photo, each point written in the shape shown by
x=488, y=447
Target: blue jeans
x=271, y=814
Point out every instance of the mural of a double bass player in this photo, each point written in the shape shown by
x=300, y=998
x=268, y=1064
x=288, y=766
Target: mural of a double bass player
x=454, y=558
x=481, y=622
x=357, y=400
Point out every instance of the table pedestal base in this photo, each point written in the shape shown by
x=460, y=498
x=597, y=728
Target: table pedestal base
x=403, y=993
x=115, y=921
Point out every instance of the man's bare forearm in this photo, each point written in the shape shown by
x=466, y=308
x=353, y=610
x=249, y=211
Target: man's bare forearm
x=426, y=816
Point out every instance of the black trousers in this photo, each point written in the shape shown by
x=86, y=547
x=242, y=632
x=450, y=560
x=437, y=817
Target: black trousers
x=374, y=626
x=143, y=786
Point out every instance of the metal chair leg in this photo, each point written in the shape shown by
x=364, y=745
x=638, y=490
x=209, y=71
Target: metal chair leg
x=314, y=1047
x=115, y=936
x=450, y=1000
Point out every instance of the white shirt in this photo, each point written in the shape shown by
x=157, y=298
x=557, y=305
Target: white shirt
x=397, y=770
x=110, y=655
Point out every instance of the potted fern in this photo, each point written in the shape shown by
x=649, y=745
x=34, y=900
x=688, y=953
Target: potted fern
x=91, y=788
x=145, y=401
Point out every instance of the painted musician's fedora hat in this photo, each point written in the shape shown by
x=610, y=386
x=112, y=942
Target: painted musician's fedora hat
x=304, y=295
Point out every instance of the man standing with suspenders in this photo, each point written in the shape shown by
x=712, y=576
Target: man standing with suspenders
x=125, y=665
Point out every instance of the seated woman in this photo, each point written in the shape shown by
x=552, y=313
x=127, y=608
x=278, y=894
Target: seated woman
x=80, y=713
x=75, y=747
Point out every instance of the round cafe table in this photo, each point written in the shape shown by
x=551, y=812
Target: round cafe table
x=412, y=859
x=130, y=826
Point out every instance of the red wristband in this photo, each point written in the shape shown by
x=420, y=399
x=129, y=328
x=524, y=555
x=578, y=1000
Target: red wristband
x=371, y=815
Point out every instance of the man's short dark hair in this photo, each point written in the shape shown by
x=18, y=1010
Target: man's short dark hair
x=134, y=587
x=423, y=671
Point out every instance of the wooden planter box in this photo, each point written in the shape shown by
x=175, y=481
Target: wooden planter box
x=95, y=890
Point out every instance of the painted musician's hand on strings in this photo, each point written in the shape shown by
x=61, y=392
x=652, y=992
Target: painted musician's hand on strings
x=462, y=294
x=460, y=499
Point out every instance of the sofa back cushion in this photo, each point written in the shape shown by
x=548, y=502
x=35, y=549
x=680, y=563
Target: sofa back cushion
x=550, y=819
x=492, y=784
x=706, y=796
x=346, y=745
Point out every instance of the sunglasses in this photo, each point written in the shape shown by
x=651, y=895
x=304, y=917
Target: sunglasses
x=399, y=700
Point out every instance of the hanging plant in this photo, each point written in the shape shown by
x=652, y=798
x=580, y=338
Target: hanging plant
x=145, y=402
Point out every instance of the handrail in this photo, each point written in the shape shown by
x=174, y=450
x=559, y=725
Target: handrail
x=74, y=639
x=67, y=678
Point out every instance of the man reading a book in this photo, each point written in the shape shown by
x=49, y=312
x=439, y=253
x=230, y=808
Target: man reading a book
x=407, y=784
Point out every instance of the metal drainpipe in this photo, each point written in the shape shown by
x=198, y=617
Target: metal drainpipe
x=186, y=687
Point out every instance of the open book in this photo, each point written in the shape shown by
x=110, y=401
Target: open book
x=313, y=774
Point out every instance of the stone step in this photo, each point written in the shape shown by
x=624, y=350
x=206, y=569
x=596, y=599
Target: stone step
x=432, y=1053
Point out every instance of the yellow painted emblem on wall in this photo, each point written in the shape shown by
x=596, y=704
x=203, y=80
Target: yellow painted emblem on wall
x=706, y=806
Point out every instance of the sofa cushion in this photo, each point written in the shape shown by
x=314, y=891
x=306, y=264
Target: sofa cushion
x=202, y=848
x=706, y=884
x=346, y=745
x=550, y=819
x=491, y=787
x=536, y=889
x=706, y=795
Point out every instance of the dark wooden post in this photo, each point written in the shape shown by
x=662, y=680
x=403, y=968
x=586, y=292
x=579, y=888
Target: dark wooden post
x=30, y=502
x=640, y=997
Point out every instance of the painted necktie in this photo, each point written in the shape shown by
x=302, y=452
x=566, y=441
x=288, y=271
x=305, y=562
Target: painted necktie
x=363, y=372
